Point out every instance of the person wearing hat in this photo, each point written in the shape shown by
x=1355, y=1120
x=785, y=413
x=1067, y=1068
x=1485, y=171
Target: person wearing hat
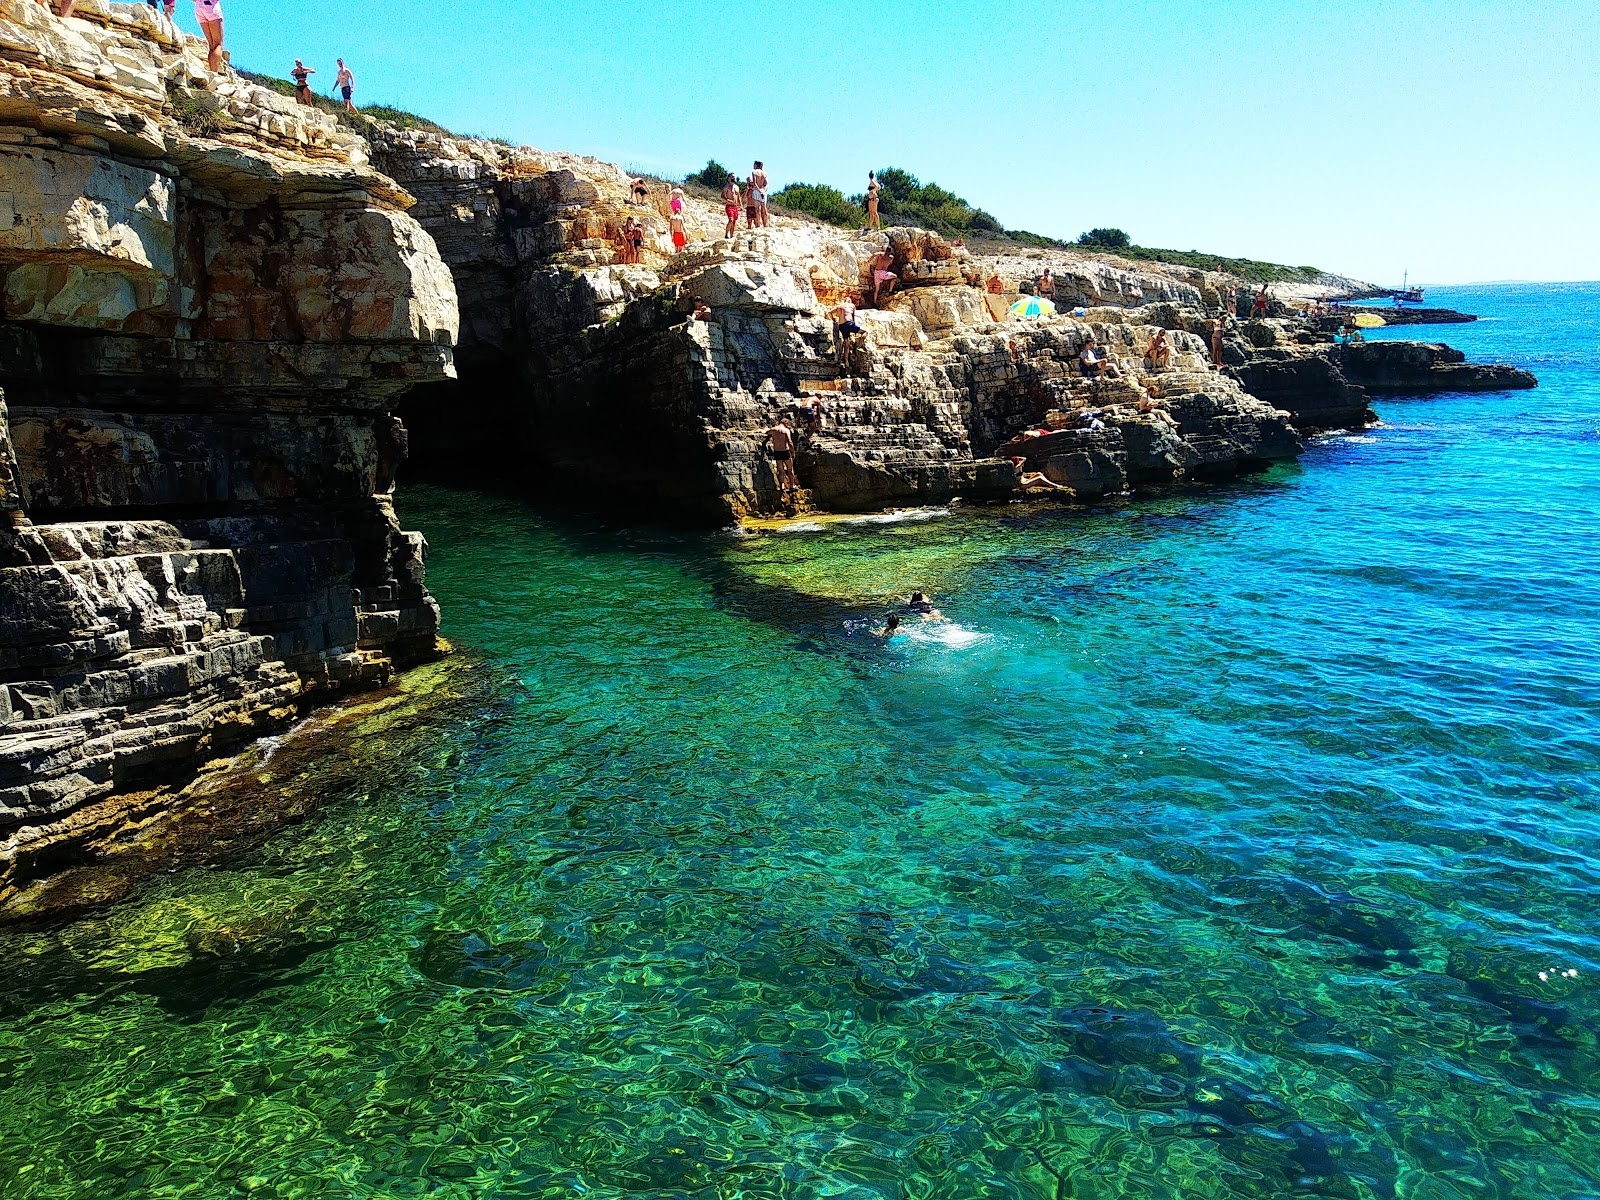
x=675, y=221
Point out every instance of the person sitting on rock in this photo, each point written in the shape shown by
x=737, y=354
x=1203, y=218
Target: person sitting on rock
x=814, y=419
x=1092, y=364
x=302, y=89
x=1032, y=481
x=883, y=279
x=732, y=201
x=702, y=311
x=1160, y=353
x=996, y=286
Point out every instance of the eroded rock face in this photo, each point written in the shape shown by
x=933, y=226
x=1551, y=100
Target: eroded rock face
x=600, y=371
x=212, y=302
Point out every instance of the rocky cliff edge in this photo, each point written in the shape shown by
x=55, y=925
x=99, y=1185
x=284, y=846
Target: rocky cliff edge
x=211, y=302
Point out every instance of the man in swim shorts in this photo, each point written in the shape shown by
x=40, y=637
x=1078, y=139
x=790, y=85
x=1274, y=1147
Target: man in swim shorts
x=781, y=439
x=731, y=203
x=346, y=83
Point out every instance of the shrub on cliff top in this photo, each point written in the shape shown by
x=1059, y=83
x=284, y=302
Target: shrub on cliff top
x=1105, y=239
x=823, y=202
x=713, y=175
x=903, y=199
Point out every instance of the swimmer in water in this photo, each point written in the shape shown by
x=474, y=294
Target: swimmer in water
x=923, y=607
x=891, y=626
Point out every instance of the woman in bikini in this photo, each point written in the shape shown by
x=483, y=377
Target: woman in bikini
x=302, y=89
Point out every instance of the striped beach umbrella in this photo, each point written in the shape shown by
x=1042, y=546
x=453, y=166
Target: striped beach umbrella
x=1033, y=306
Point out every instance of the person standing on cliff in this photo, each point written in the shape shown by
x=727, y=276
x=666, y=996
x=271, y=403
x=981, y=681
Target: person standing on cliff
x=1047, y=285
x=1216, y=341
x=781, y=438
x=872, y=201
x=1259, y=309
x=758, y=193
x=732, y=201
x=302, y=88
x=346, y=83
x=209, y=14
x=680, y=236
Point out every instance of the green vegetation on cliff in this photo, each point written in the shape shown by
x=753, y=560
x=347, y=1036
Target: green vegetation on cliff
x=905, y=200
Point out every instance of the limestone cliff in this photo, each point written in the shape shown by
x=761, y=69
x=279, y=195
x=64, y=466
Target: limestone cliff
x=593, y=367
x=212, y=301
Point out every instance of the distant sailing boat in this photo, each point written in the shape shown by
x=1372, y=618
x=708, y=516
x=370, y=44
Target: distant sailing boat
x=1406, y=294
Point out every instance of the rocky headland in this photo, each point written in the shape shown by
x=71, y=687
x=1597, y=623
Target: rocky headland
x=218, y=305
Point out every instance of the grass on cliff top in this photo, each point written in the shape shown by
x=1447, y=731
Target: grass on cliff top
x=906, y=200
x=398, y=117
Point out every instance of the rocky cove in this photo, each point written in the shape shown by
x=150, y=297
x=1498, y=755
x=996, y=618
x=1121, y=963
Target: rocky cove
x=224, y=312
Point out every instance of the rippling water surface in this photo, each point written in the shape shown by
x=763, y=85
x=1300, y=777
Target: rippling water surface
x=1242, y=843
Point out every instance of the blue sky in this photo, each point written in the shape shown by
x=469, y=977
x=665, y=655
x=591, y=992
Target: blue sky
x=1458, y=140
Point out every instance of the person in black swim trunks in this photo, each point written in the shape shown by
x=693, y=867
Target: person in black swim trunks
x=781, y=438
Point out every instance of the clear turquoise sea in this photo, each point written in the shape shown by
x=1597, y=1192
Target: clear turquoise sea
x=1238, y=843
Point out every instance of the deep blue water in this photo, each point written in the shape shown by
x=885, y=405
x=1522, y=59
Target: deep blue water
x=1242, y=842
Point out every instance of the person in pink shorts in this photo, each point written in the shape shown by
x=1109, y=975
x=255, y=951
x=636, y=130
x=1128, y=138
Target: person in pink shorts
x=209, y=14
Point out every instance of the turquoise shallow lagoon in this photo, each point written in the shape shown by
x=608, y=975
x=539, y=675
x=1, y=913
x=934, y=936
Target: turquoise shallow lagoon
x=1239, y=843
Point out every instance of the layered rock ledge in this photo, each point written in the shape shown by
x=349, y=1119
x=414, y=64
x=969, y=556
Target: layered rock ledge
x=212, y=302
x=595, y=368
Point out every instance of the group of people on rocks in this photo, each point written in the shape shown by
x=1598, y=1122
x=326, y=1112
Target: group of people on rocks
x=208, y=13
x=344, y=82
x=751, y=200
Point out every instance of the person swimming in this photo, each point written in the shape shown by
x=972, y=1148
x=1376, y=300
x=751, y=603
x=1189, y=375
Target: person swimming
x=923, y=607
x=891, y=626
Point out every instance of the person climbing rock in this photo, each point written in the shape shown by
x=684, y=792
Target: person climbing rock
x=209, y=14
x=346, y=83
x=302, y=87
x=781, y=438
x=883, y=279
x=845, y=327
x=732, y=201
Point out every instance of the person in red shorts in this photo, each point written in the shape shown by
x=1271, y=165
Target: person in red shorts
x=732, y=202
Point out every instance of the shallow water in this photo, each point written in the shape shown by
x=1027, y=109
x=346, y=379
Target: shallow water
x=1236, y=843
